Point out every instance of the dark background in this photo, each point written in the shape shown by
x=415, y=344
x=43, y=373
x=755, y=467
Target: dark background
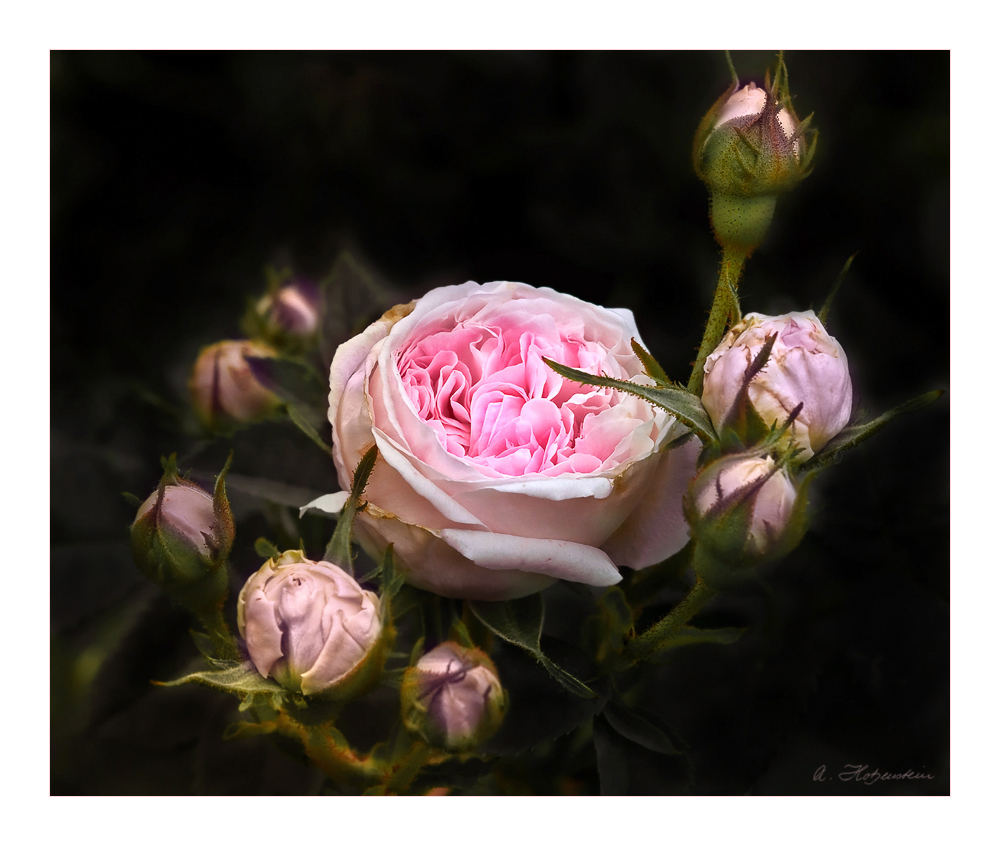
x=176, y=178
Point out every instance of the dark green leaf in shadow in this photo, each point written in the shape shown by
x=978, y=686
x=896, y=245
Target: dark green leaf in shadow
x=612, y=763
x=638, y=729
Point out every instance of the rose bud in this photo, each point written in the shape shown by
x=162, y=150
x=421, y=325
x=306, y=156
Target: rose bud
x=495, y=475
x=453, y=698
x=749, y=148
x=223, y=388
x=741, y=481
x=310, y=626
x=293, y=309
x=806, y=365
x=181, y=538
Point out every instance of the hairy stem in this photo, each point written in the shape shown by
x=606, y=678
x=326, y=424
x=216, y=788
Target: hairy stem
x=725, y=311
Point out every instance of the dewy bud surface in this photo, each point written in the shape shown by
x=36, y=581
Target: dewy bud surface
x=453, y=697
x=807, y=365
x=307, y=624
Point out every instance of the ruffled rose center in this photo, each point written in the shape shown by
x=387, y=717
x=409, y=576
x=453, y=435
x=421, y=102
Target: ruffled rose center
x=484, y=389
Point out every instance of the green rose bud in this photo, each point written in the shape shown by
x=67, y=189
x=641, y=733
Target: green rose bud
x=453, y=698
x=750, y=148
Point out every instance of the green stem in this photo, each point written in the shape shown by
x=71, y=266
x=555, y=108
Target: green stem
x=216, y=627
x=658, y=636
x=725, y=309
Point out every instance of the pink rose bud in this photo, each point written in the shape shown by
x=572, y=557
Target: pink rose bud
x=733, y=482
x=307, y=624
x=224, y=389
x=806, y=365
x=453, y=698
x=293, y=309
x=179, y=537
x=496, y=475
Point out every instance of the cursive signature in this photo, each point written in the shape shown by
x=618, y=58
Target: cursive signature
x=863, y=774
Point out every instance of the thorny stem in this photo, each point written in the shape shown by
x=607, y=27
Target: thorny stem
x=725, y=309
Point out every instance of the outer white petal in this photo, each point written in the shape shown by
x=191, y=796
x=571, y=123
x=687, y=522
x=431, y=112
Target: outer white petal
x=656, y=529
x=559, y=559
x=332, y=503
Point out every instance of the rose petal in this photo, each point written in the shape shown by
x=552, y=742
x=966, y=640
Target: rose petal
x=656, y=529
x=559, y=559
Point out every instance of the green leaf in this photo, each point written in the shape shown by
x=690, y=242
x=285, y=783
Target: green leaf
x=612, y=764
x=679, y=402
x=270, y=490
x=351, y=299
x=265, y=549
x=519, y=621
x=338, y=551
x=292, y=379
x=853, y=435
x=638, y=729
x=300, y=419
x=650, y=365
x=238, y=678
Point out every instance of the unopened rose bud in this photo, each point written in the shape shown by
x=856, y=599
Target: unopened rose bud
x=310, y=626
x=765, y=496
x=293, y=309
x=224, y=389
x=806, y=365
x=181, y=538
x=453, y=698
x=750, y=148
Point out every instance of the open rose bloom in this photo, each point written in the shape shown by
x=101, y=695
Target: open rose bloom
x=495, y=475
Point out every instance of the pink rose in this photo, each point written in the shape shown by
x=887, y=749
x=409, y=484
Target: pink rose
x=495, y=475
x=806, y=365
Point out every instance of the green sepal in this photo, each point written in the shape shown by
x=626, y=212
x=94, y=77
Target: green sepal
x=223, y=514
x=743, y=419
x=690, y=636
x=852, y=436
x=519, y=621
x=239, y=678
x=649, y=364
x=676, y=400
x=638, y=729
x=828, y=303
x=338, y=550
x=460, y=634
x=132, y=499
x=265, y=549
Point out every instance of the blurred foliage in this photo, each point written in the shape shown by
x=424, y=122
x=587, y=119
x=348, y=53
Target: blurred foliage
x=177, y=179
